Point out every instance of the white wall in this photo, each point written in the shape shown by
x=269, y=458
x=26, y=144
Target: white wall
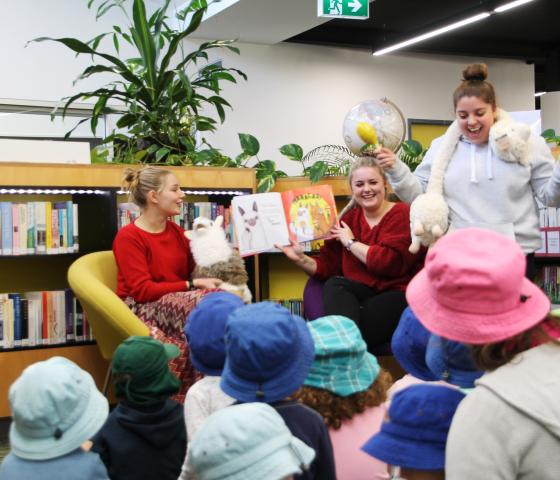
x=295, y=93
x=550, y=107
x=300, y=94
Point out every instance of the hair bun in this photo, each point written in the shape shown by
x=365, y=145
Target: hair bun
x=476, y=72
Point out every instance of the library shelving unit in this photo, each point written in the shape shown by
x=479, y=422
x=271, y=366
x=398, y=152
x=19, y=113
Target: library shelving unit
x=279, y=278
x=96, y=190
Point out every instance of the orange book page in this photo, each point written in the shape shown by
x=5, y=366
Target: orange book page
x=310, y=212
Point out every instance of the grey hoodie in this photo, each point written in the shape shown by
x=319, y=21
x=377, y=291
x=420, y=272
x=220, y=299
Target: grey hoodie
x=484, y=191
x=509, y=426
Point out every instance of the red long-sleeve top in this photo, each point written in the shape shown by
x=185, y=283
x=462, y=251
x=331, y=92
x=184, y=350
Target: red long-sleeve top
x=151, y=265
x=389, y=265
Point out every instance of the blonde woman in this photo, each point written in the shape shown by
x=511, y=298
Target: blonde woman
x=366, y=264
x=155, y=263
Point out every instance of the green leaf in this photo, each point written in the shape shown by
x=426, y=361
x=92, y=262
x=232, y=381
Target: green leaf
x=317, y=171
x=116, y=42
x=241, y=158
x=249, y=144
x=548, y=133
x=162, y=152
x=292, y=151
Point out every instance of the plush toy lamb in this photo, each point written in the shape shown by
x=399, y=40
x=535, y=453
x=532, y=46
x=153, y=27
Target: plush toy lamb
x=215, y=258
x=429, y=213
x=508, y=140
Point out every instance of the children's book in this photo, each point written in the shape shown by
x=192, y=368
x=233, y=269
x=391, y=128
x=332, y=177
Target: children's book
x=263, y=220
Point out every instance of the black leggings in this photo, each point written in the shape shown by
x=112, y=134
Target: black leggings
x=377, y=314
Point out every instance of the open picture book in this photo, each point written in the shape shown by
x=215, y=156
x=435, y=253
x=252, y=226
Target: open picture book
x=263, y=220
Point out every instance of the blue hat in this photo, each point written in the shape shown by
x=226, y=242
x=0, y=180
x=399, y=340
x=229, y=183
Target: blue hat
x=205, y=330
x=269, y=352
x=409, y=344
x=55, y=408
x=342, y=363
x=415, y=434
x=247, y=442
x=452, y=362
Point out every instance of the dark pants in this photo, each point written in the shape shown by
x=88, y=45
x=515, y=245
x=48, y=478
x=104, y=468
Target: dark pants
x=377, y=314
x=531, y=269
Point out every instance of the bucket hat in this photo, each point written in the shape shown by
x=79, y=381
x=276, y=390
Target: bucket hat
x=408, y=345
x=205, y=330
x=342, y=363
x=415, y=433
x=247, y=442
x=146, y=362
x=269, y=352
x=452, y=362
x=55, y=408
x=473, y=289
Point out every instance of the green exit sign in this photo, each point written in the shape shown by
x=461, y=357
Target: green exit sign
x=354, y=9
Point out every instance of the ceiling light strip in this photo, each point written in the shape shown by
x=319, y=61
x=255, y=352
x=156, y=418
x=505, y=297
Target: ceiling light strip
x=510, y=5
x=433, y=33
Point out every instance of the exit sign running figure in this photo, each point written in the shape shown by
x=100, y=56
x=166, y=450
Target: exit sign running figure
x=353, y=9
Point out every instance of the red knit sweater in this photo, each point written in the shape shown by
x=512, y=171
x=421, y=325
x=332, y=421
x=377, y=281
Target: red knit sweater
x=151, y=265
x=389, y=266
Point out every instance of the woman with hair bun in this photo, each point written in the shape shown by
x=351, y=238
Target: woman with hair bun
x=480, y=188
x=154, y=263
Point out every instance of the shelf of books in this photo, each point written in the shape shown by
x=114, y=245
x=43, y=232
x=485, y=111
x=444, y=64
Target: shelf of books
x=548, y=256
x=280, y=279
x=51, y=214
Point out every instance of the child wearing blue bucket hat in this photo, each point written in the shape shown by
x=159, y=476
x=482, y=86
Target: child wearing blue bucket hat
x=205, y=336
x=269, y=352
x=414, y=435
x=348, y=388
x=56, y=408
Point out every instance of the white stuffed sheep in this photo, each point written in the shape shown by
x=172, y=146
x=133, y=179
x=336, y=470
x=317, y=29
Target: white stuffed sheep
x=429, y=216
x=215, y=258
x=509, y=141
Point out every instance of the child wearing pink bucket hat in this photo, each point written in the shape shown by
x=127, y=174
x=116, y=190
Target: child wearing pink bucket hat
x=473, y=290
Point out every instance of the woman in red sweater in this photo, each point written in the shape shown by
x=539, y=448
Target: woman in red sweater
x=366, y=264
x=154, y=262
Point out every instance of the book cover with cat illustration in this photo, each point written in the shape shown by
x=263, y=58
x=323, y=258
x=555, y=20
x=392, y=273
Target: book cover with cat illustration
x=263, y=220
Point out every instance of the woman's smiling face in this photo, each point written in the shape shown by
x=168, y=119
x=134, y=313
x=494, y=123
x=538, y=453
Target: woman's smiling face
x=475, y=118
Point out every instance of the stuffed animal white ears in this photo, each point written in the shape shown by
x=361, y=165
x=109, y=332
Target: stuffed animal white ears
x=509, y=141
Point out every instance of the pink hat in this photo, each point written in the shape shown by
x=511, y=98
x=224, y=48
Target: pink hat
x=473, y=289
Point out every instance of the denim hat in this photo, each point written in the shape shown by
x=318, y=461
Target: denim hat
x=145, y=361
x=415, y=433
x=409, y=344
x=342, y=363
x=247, y=442
x=55, y=408
x=205, y=330
x=269, y=352
x=452, y=362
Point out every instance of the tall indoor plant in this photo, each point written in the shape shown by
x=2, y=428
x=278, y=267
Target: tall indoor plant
x=161, y=90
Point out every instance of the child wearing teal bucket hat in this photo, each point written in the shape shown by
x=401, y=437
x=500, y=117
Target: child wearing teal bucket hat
x=56, y=408
x=347, y=387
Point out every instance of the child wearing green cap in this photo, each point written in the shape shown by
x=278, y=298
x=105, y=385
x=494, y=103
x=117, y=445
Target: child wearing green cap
x=144, y=436
x=347, y=387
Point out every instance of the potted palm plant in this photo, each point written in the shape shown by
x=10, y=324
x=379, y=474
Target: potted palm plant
x=159, y=91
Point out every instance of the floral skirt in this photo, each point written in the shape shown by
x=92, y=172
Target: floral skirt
x=166, y=318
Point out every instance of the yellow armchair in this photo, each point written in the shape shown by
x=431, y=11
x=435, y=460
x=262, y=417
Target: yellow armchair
x=93, y=278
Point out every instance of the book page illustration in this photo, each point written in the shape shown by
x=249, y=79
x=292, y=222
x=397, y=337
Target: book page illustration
x=259, y=222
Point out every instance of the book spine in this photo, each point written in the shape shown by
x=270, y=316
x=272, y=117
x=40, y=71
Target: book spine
x=6, y=208
x=55, y=236
x=22, y=207
x=70, y=225
x=30, y=228
x=44, y=319
x=69, y=311
x=41, y=227
x=48, y=227
x=24, y=322
x=15, y=229
x=17, y=322
x=75, y=236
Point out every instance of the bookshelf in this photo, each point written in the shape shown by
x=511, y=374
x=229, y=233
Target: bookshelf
x=95, y=189
x=279, y=278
